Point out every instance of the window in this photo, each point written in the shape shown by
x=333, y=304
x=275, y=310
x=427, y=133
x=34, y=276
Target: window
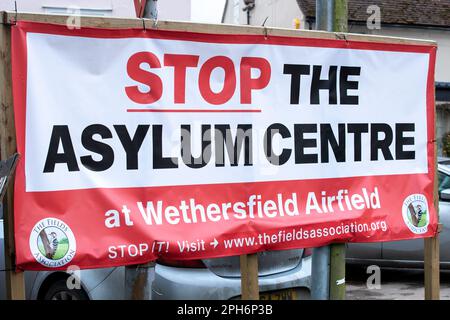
x=443, y=181
x=78, y=11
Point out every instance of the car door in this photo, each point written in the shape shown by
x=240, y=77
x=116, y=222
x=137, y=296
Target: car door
x=444, y=236
x=405, y=250
x=364, y=251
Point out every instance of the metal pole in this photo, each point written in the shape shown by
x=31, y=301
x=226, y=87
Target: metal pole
x=150, y=10
x=328, y=264
x=324, y=15
x=320, y=276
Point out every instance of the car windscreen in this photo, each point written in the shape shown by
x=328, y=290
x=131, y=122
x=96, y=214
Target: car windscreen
x=443, y=181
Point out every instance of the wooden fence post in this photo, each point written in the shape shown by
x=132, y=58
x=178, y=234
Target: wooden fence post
x=337, y=250
x=15, y=282
x=431, y=247
x=431, y=268
x=138, y=281
x=249, y=277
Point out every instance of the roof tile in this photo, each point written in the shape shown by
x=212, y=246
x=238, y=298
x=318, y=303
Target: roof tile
x=409, y=12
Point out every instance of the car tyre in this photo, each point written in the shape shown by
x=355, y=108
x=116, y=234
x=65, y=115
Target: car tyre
x=59, y=291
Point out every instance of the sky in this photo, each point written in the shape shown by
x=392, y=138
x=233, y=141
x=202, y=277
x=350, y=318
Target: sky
x=207, y=10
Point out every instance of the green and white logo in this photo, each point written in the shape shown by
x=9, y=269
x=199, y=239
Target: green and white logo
x=415, y=213
x=52, y=243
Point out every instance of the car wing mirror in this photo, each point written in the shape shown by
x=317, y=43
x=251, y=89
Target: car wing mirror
x=445, y=195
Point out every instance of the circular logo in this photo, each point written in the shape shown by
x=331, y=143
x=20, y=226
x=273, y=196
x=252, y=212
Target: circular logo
x=415, y=213
x=52, y=243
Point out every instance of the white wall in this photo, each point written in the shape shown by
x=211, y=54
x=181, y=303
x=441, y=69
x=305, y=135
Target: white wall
x=207, y=11
x=167, y=9
x=441, y=36
x=174, y=10
x=279, y=13
x=117, y=8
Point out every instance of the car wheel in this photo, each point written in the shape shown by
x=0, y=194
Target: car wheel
x=59, y=291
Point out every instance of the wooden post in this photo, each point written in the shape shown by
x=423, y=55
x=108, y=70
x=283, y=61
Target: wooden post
x=337, y=250
x=15, y=283
x=431, y=268
x=340, y=16
x=138, y=280
x=431, y=246
x=249, y=277
x=337, y=271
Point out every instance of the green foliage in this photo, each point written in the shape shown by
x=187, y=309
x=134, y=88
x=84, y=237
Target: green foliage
x=61, y=251
x=64, y=240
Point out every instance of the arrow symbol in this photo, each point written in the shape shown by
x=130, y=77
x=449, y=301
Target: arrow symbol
x=215, y=243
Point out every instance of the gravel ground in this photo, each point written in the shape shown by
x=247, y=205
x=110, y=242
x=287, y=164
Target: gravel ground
x=398, y=284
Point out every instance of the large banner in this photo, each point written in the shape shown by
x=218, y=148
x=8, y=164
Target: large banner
x=141, y=144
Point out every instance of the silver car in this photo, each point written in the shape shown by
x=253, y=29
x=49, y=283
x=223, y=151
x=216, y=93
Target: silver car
x=409, y=253
x=282, y=275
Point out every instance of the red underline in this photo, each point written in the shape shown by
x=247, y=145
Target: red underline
x=195, y=110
